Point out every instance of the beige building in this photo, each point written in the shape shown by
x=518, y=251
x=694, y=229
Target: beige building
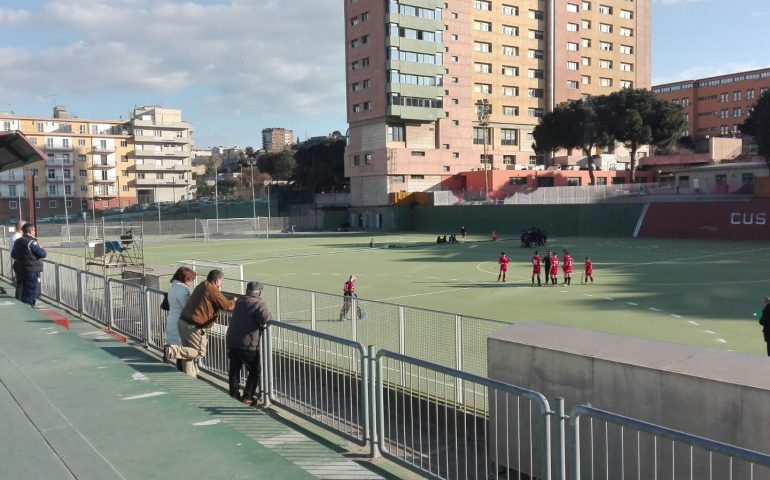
x=99, y=163
x=277, y=139
x=412, y=105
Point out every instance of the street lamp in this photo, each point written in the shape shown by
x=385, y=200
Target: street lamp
x=253, y=200
x=64, y=195
x=482, y=112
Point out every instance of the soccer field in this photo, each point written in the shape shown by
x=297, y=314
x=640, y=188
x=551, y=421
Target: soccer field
x=694, y=292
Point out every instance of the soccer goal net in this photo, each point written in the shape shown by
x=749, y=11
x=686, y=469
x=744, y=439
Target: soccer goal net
x=231, y=228
x=233, y=273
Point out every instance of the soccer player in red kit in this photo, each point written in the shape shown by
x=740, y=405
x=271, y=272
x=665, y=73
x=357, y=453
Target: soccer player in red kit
x=554, y=269
x=567, y=268
x=589, y=271
x=536, y=269
x=503, y=261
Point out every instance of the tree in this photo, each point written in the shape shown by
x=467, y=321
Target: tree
x=321, y=165
x=636, y=117
x=279, y=165
x=213, y=164
x=758, y=126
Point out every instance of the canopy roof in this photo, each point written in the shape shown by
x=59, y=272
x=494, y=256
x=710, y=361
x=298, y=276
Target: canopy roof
x=17, y=151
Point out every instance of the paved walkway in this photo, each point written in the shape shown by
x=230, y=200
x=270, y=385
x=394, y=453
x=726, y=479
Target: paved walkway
x=79, y=403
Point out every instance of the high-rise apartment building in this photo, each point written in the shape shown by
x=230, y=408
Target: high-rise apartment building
x=100, y=163
x=277, y=139
x=716, y=106
x=416, y=69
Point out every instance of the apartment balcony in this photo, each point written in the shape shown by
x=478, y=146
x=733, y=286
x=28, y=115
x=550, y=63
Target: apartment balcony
x=101, y=191
x=20, y=192
x=101, y=149
x=59, y=162
x=107, y=179
x=58, y=148
x=151, y=167
x=59, y=179
x=158, y=126
x=102, y=164
x=162, y=182
x=165, y=153
x=11, y=179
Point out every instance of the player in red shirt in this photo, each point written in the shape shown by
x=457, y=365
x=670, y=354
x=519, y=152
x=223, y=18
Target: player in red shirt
x=348, y=294
x=589, y=271
x=567, y=268
x=536, y=269
x=494, y=236
x=554, y=269
x=503, y=261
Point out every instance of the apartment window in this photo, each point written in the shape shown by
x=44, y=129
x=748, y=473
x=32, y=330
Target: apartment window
x=510, y=71
x=572, y=84
x=52, y=203
x=508, y=136
x=534, y=73
x=605, y=28
x=586, y=5
x=482, y=47
x=81, y=142
x=626, y=14
x=510, y=10
x=125, y=173
x=536, y=34
x=355, y=87
x=571, y=7
x=750, y=94
x=535, y=54
x=356, y=160
x=585, y=61
x=747, y=178
x=479, y=134
x=585, y=80
x=68, y=191
x=37, y=202
x=482, y=67
x=737, y=112
x=586, y=42
x=626, y=84
x=51, y=173
x=605, y=82
x=368, y=157
x=573, y=181
x=365, y=17
x=355, y=43
x=510, y=30
x=586, y=24
x=572, y=46
x=51, y=189
x=510, y=91
x=364, y=41
x=40, y=127
x=82, y=158
x=626, y=49
x=510, y=51
x=367, y=83
x=510, y=111
x=626, y=67
x=357, y=108
x=367, y=105
x=606, y=64
x=482, y=26
x=396, y=133
x=572, y=27
x=485, y=88
x=606, y=46
x=535, y=112
x=535, y=93
x=723, y=97
x=605, y=9
x=482, y=5
x=572, y=65
x=510, y=160
x=83, y=173
x=737, y=95
x=626, y=32
x=536, y=14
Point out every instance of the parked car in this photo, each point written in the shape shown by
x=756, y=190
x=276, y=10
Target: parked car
x=137, y=207
x=44, y=219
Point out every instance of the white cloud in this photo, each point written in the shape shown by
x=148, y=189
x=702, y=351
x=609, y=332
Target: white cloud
x=11, y=17
x=699, y=72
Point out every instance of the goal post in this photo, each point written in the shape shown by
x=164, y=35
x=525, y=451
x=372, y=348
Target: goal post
x=233, y=228
x=233, y=281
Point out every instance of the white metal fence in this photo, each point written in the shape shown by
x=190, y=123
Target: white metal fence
x=434, y=418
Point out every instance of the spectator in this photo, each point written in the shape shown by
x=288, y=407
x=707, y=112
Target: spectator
x=462, y=231
x=197, y=316
x=17, y=275
x=28, y=254
x=764, y=320
x=348, y=294
x=248, y=321
x=178, y=295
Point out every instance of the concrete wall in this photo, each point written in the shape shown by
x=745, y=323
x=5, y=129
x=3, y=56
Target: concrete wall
x=716, y=394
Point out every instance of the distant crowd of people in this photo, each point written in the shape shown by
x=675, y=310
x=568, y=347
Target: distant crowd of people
x=534, y=237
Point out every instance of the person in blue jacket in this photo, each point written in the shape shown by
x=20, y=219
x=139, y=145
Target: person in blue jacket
x=29, y=256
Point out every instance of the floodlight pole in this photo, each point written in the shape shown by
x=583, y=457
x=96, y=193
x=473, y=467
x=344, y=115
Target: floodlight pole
x=267, y=232
x=64, y=195
x=253, y=198
x=482, y=112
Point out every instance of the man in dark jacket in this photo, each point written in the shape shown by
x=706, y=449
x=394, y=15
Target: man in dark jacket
x=28, y=256
x=764, y=320
x=249, y=318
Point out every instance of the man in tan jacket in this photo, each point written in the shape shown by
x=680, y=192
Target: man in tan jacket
x=199, y=315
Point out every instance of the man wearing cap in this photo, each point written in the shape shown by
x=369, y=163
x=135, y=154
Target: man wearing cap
x=28, y=256
x=250, y=317
x=764, y=320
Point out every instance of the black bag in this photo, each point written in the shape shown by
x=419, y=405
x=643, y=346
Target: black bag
x=164, y=304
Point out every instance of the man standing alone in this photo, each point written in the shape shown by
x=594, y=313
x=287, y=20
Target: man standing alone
x=764, y=320
x=249, y=319
x=28, y=256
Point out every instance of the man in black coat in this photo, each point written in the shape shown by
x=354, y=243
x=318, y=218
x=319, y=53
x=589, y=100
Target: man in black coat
x=764, y=320
x=29, y=255
x=250, y=317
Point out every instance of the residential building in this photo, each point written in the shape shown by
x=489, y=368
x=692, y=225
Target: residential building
x=163, y=143
x=416, y=69
x=98, y=164
x=716, y=106
x=277, y=139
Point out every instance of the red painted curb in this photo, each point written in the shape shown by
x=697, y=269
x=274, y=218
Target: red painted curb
x=60, y=320
x=115, y=335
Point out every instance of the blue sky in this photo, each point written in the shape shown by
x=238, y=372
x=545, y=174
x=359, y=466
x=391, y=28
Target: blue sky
x=235, y=67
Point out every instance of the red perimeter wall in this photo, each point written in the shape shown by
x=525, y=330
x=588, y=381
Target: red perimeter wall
x=709, y=221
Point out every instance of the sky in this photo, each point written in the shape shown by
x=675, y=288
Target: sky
x=235, y=67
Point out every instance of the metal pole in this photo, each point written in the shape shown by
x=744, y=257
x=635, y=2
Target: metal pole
x=253, y=200
x=64, y=195
x=216, y=195
x=267, y=232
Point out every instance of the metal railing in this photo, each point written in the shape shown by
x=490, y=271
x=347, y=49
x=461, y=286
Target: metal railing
x=622, y=447
x=436, y=419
